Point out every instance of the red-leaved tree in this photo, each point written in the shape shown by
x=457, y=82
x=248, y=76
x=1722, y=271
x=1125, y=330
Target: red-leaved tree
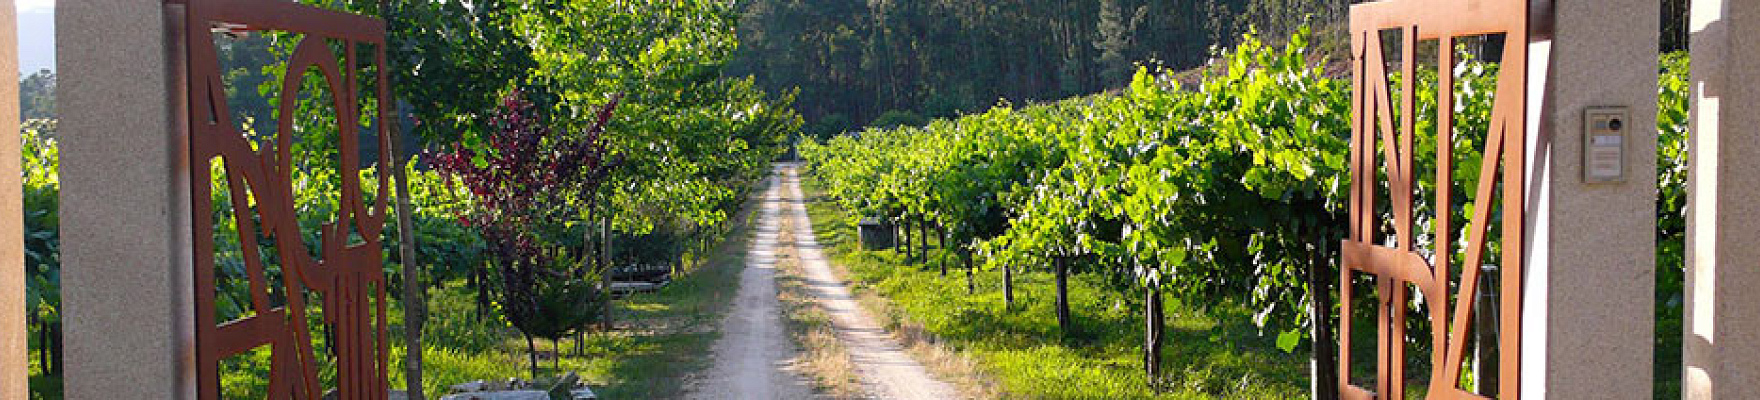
x=527, y=184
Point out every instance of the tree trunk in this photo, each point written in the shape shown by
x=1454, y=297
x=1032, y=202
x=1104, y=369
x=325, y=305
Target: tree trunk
x=1324, y=363
x=589, y=262
x=904, y=225
x=1152, y=334
x=920, y=252
x=55, y=350
x=415, y=306
x=1063, y=318
x=605, y=271
x=415, y=310
x=941, y=241
x=1007, y=287
x=971, y=287
x=680, y=248
x=480, y=279
x=944, y=258
x=532, y=354
x=476, y=284
x=923, y=234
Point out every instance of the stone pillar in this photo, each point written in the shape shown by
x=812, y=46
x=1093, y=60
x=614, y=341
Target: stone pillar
x=1721, y=349
x=1587, y=314
x=126, y=277
x=13, y=348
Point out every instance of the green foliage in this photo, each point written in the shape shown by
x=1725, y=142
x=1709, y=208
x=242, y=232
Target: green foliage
x=1671, y=219
x=898, y=118
x=1214, y=191
x=42, y=253
x=692, y=140
x=42, y=222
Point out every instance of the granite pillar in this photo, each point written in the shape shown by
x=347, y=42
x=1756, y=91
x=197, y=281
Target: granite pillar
x=1721, y=347
x=1587, y=314
x=126, y=275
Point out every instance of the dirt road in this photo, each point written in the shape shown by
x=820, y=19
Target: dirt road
x=886, y=371
x=752, y=355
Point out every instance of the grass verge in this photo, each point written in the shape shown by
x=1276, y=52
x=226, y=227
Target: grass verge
x=992, y=351
x=660, y=340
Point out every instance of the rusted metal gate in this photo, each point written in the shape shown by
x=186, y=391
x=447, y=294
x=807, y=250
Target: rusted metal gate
x=1396, y=262
x=346, y=275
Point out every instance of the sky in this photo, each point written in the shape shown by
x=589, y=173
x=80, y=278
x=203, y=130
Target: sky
x=36, y=35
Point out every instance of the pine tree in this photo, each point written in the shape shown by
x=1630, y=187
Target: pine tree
x=1113, y=41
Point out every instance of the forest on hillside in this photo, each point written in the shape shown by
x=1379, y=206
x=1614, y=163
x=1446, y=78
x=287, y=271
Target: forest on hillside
x=892, y=62
x=905, y=62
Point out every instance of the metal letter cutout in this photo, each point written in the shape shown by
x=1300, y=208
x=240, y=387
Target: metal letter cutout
x=348, y=276
x=1401, y=264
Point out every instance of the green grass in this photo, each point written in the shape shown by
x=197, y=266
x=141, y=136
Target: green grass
x=1212, y=349
x=660, y=340
x=667, y=333
x=645, y=361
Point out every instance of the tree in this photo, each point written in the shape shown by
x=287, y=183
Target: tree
x=36, y=95
x=692, y=140
x=522, y=187
x=1113, y=41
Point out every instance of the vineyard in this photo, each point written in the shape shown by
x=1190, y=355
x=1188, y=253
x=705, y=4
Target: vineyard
x=777, y=199
x=1223, y=196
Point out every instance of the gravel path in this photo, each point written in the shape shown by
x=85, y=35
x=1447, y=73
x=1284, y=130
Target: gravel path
x=753, y=353
x=752, y=356
x=886, y=371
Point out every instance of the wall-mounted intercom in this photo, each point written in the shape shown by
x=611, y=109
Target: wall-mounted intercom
x=1604, y=144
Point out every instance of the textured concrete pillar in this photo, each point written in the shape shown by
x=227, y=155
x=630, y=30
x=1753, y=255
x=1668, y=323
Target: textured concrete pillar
x=13, y=348
x=1721, y=349
x=125, y=279
x=1587, y=315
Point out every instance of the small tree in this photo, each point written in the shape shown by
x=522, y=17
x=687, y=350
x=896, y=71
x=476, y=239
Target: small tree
x=525, y=185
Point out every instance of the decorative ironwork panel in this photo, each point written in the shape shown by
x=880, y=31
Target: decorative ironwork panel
x=1385, y=147
x=344, y=273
